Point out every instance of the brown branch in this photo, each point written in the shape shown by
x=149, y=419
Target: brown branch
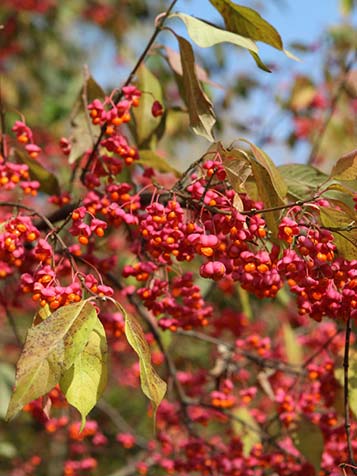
x=260, y=361
x=118, y=96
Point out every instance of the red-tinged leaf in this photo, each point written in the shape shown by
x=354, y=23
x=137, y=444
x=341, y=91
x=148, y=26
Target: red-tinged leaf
x=346, y=167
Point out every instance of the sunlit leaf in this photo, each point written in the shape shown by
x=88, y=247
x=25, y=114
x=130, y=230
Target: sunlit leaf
x=346, y=167
x=342, y=223
x=152, y=385
x=149, y=158
x=206, y=35
x=309, y=440
x=145, y=122
x=202, y=117
x=50, y=348
x=83, y=133
x=247, y=22
x=85, y=381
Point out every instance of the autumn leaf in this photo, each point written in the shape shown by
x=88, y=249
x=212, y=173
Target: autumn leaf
x=51, y=347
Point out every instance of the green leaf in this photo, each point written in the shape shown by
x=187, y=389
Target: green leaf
x=346, y=167
x=48, y=181
x=247, y=22
x=245, y=426
x=339, y=222
x=309, y=440
x=145, y=122
x=206, y=35
x=83, y=133
x=85, y=381
x=149, y=158
x=271, y=187
x=51, y=347
x=302, y=180
x=7, y=379
x=200, y=109
x=293, y=349
x=151, y=384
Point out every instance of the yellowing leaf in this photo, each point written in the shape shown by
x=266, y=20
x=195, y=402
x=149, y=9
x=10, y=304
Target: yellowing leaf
x=50, y=348
x=200, y=110
x=346, y=167
x=149, y=158
x=145, y=122
x=292, y=346
x=206, y=35
x=341, y=223
x=84, y=382
x=151, y=384
x=245, y=426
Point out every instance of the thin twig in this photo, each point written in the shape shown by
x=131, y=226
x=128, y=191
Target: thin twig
x=118, y=96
